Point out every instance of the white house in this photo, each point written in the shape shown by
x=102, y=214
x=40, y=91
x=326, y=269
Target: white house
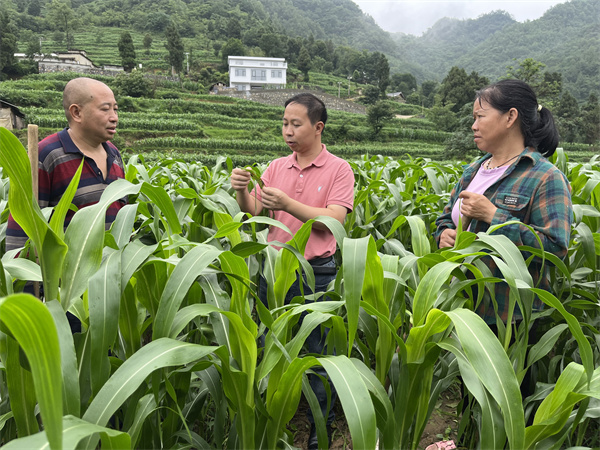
x=250, y=72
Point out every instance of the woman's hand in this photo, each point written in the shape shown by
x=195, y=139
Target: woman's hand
x=476, y=206
x=448, y=238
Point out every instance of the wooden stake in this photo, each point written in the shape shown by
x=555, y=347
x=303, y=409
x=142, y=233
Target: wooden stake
x=32, y=151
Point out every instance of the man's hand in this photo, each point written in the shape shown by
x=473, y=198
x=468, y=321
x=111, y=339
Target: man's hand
x=240, y=179
x=448, y=238
x=477, y=206
x=275, y=199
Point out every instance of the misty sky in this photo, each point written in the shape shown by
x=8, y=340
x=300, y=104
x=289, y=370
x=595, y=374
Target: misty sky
x=416, y=16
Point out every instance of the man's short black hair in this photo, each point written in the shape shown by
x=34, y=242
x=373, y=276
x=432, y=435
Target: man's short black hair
x=317, y=112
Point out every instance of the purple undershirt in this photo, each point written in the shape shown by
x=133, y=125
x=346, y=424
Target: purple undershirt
x=478, y=185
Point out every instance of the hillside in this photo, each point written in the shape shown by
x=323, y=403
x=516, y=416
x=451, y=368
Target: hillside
x=340, y=21
x=566, y=38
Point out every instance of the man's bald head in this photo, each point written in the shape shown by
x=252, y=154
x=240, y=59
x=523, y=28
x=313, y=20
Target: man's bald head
x=80, y=91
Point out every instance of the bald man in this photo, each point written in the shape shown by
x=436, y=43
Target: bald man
x=91, y=111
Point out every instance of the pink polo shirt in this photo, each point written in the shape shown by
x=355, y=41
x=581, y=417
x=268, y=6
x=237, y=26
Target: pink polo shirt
x=328, y=180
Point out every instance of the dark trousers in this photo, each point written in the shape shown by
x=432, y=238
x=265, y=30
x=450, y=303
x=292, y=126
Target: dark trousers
x=325, y=272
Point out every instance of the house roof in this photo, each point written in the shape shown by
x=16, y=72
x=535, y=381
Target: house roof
x=14, y=108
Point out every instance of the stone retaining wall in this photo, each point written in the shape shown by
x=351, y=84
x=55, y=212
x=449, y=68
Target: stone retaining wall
x=277, y=97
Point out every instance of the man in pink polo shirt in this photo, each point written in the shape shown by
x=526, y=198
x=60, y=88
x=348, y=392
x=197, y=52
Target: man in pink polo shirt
x=308, y=183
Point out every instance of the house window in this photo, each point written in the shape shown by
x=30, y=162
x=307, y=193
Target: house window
x=276, y=74
x=240, y=72
x=259, y=75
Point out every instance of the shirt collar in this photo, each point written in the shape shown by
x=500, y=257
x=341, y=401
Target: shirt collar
x=318, y=162
x=69, y=146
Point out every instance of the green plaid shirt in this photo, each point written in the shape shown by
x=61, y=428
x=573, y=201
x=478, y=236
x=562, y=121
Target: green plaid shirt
x=534, y=192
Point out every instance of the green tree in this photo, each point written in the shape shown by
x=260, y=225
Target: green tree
x=63, y=18
x=589, y=124
x=549, y=89
x=381, y=72
x=174, y=47
x=8, y=42
x=403, y=82
x=273, y=45
x=567, y=118
x=444, y=117
x=371, y=95
x=568, y=107
x=460, y=145
x=147, y=43
x=378, y=114
x=304, y=62
x=234, y=28
x=34, y=8
x=127, y=51
x=58, y=37
x=133, y=85
x=529, y=70
x=428, y=91
x=33, y=47
x=233, y=47
x=458, y=88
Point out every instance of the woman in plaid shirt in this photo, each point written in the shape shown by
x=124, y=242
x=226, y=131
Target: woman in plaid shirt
x=512, y=181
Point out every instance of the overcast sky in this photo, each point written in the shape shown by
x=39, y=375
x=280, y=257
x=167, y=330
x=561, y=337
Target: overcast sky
x=416, y=16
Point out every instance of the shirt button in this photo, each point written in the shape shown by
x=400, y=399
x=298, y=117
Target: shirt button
x=301, y=176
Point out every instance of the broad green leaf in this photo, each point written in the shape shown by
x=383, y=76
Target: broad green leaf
x=74, y=430
x=185, y=315
x=26, y=212
x=494, y=369
x=355, y=399
x=128, y=377
x=284, y=403
x=68, y=358
x=161, y=199
x=133, y=256
x=33, y=328
x=354, y=254
x=104, y=302
x=178, y=284
x=585, y=348
x=122, y=227
x=57, y=221
x=23, y=269
x=218, y=298
x=19, y=384
x=145, y=406
x=381, y=402
x=491, y=428
x=85, y=238
x=236, y=271
x=429, y=289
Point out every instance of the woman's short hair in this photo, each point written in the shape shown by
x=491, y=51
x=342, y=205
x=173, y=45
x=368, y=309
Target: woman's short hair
x=537, y=123
x=317, y=112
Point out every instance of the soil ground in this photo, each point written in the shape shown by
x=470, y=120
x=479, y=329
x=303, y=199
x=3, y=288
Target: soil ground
x=442, y=425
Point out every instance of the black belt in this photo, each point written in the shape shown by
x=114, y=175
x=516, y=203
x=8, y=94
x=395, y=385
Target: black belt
x=318, y=263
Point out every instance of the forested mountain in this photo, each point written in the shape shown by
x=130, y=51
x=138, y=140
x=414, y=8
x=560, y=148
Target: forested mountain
x=566, y=39
x=341, y=21
x=438, y=49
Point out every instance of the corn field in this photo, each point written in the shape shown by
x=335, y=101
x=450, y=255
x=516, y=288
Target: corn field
x=168, y=356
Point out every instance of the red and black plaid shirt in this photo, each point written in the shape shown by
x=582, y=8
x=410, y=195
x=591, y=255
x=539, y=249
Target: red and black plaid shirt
x=59, y=159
